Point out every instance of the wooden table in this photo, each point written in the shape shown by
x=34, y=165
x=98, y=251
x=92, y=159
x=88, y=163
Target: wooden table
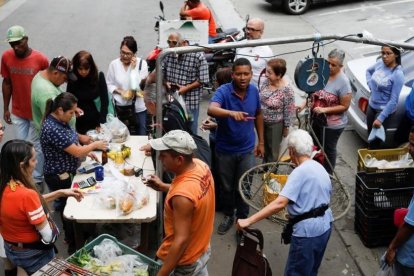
x=91, y=210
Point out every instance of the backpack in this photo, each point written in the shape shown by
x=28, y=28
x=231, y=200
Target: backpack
x=173, y=117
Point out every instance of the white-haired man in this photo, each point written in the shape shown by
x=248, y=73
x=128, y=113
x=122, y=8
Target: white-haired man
x=308, y=192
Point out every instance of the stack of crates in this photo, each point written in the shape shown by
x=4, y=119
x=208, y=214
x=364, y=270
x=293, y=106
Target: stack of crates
x=377, y=194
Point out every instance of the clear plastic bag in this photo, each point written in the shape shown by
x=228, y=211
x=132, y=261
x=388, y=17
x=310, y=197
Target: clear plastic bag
x=107, y=250
x=118, y=129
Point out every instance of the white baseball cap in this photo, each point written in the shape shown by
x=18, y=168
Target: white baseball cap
x=177, y=140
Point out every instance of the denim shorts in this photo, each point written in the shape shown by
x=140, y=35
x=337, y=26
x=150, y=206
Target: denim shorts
x=31, y=260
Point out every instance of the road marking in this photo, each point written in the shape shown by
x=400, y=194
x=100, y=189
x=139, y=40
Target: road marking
x=364, y=7
x=9, y=7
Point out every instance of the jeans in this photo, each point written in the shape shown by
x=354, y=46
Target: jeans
x=23, y=128
x=211, y=39
x=194, y=115
x=230, y=167
x=198, y=268
x=141, y=122
x=401, y=270
x=328, y=138
x=38, y=170
x=306, y=254
x=31, y=260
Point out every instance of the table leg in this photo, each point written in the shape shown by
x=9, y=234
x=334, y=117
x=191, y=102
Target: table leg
x=143, y=246
x=79, y=238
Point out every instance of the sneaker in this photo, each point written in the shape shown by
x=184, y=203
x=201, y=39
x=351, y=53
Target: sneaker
x=225, y=225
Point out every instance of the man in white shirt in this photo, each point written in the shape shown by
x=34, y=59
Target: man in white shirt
x=259, y=55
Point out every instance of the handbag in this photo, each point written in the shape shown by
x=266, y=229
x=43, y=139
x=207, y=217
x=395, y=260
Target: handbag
x=249, y=259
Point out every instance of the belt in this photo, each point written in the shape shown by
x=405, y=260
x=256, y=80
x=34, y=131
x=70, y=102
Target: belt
x=32, y=245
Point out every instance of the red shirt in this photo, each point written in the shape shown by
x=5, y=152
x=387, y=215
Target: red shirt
x=20, y=211
x=201, y=12
x=21, y=72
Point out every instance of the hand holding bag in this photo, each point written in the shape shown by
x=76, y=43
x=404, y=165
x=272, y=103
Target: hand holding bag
x=249, y=259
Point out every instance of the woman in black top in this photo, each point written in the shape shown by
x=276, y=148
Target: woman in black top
x=91, y=91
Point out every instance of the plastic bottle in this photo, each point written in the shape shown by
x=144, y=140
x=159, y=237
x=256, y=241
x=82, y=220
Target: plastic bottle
x=104, y=157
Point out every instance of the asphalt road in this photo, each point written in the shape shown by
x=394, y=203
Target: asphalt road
x=67, y=26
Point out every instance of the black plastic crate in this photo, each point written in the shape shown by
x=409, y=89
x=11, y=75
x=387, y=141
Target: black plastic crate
x=385, y=190
x=372, y=239
x=377, y=225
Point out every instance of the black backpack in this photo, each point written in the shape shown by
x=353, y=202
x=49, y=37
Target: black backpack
x=173, y=117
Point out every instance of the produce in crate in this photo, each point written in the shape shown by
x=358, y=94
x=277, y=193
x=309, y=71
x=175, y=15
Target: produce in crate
x=107, y=258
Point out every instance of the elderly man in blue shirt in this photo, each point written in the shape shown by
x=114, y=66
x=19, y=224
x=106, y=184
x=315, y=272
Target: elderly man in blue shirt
x=307, y=194
x=401, y=250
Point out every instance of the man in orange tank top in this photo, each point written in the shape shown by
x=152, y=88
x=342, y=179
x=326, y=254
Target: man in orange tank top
x=188, y=208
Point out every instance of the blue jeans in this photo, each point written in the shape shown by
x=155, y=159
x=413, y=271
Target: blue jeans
x=230, y=167
x=305, y=255
x=141, y=122
x=38, y=170
x=194, y=115
x=31, y=260
x=211, y=39
x=23, y=127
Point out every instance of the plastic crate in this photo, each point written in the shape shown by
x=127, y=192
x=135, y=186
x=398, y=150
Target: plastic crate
x=384, y=154
x=379, y=192
x=372, y=239
x=376, y=224
x=153, y=266
x=58, y=267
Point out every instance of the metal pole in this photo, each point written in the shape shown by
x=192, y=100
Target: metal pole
x=356, y=38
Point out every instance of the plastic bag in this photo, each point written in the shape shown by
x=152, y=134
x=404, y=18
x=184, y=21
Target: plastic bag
x=118, y=130
x=386, y=270
x=134, y=80
x=106, y=250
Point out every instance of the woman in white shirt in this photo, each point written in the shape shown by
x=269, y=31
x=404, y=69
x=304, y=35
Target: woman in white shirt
x=123, y=78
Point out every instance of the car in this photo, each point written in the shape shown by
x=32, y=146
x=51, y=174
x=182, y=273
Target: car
x=355, y=70
x=297, y=7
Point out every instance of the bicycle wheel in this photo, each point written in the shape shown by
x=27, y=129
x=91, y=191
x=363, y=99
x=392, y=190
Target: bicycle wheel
x=253, y=192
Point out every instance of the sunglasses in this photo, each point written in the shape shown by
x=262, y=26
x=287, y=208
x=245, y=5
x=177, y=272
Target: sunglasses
x=252, y=29
x=172, y=42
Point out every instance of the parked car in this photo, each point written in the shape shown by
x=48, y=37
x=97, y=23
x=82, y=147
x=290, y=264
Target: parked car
x=355, y=71
x=297, y=7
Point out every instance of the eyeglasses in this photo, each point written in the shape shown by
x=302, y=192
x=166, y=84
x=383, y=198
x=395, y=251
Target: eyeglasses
x=333, y=64
x=252, y=29
x=126, y=54
x=386, y=53
x=172, y=42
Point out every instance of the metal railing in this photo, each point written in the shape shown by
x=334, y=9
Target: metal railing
x=355, y=38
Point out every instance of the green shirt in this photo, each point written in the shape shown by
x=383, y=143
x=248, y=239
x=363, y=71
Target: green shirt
x=42, y=90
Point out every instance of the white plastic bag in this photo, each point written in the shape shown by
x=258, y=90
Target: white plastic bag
x=386, y=270
x=134, y=80
x=119, y=130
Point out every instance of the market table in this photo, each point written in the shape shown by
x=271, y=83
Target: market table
x=90, y=210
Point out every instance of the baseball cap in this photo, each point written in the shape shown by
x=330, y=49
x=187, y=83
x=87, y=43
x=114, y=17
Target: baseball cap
x=15, y=33
x=64, y=65
x=177, y=140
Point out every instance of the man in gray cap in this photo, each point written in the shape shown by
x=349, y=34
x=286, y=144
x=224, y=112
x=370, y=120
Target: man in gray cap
x=188, y=208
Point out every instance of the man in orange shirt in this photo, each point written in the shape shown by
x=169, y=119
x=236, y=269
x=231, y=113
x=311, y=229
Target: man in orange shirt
x=198, y=11
x=188, y=208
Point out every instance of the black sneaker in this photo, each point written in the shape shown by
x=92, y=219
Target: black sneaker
x=225, y=225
